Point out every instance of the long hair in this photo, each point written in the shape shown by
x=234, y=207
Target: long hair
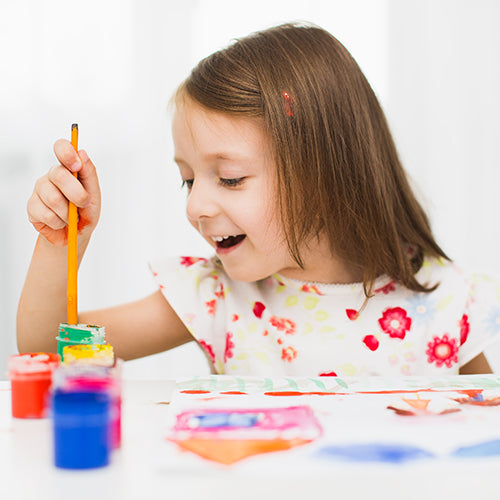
x=337, y=168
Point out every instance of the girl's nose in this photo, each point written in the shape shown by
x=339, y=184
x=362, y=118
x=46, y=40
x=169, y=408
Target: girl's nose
x=201, y=202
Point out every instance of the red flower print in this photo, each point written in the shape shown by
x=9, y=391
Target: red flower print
x=221, y=292
x=283, y=324
x=208, y=349
x=395, y=322
x=235, y=317
x=328, y=374
x=288, y=354
x=390, y=287
x=258, y=309
x=311, y=289
x=464, y=328
x=352, y=314
x=280, y=341
x=189, y=261
x=442, y=351
x=371, y=342
x=211, y=306
x=228, y=352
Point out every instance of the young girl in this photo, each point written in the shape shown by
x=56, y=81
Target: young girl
x=324, y=262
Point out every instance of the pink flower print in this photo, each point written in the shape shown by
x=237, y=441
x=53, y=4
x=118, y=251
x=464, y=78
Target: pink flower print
x=393, y=360
x=228, y=351
x=371, y=342
x=235, y=317
x=288, y=354
x=352, y=314
x=258, y=309
x=395, y=322
x=328, y=374
x=442, y=351
x=189, y=318
x=189, y=261
x=464, y=328
x=390, y=287
x=211, y=306
x=283, y=325
x=310, y=289
x=208, y=349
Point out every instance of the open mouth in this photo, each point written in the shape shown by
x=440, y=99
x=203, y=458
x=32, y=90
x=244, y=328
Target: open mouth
x=229, y=241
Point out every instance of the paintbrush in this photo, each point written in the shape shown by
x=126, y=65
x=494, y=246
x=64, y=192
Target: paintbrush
x=73, y=333
x=72, y=287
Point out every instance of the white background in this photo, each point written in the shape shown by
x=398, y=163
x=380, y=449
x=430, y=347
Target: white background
x=112, y=65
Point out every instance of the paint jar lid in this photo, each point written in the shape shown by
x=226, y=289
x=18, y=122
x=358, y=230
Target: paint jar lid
x=32, y=362
x=86, y=334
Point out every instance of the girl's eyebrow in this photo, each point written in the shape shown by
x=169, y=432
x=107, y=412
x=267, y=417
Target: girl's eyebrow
x=223, y=156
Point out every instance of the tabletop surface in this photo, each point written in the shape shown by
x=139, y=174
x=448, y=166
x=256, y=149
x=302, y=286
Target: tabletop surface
x=147, y=465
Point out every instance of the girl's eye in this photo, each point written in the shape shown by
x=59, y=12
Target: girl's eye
x=232, y=182
x=187, y=183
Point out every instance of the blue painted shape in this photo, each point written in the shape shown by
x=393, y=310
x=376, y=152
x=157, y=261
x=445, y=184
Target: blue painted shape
x=222, y=420
x=484, y=449
x=375, y=452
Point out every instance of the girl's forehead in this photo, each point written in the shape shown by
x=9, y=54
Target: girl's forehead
x=209, y=129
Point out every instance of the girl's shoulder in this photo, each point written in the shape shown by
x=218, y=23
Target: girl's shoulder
x=449, y=275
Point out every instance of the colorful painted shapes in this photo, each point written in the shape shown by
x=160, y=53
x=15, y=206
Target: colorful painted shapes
x=229, y=435
x=229, y=451
x=375, y=452
x=485, y=449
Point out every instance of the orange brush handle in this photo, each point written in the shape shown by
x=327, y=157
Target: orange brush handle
x=72, y=286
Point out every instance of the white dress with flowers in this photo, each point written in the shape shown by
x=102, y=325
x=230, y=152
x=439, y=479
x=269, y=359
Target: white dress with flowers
x=280, y=326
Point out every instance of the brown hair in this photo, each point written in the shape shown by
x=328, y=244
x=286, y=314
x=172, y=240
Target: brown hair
x=338, y=170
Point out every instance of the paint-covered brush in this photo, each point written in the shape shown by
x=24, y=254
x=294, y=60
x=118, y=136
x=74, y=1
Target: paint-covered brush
x=72, y=332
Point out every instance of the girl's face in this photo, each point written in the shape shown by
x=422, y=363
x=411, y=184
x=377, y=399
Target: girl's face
x=227, y=168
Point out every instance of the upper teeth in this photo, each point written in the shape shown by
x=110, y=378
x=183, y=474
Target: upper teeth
x=220, y=238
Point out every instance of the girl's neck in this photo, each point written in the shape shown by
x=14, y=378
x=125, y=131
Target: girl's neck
x=321, y=267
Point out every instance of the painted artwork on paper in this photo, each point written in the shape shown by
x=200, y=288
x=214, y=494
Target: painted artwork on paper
x=227, y=435
x=312, y=422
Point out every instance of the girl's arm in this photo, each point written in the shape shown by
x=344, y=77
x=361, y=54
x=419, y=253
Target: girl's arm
x=140, y=328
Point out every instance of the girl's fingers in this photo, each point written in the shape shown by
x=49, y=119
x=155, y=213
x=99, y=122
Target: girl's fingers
x=54, y=201
x=88, y=177
x=40, y=214
x=65, y=183
x=67, y=155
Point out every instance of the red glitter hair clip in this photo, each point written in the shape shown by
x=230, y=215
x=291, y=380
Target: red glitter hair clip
x=287, y=103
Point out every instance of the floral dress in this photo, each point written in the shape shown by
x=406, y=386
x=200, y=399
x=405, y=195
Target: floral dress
x=280, y=326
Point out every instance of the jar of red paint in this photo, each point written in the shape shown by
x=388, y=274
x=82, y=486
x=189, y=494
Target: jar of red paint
x=31, y=378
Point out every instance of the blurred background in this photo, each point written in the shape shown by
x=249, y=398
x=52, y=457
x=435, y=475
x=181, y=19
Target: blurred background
x=112, y=65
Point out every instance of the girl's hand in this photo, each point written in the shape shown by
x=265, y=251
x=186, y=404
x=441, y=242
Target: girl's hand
x=48, y=205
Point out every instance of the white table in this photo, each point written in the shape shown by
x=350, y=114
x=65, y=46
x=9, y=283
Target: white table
x=137, y=470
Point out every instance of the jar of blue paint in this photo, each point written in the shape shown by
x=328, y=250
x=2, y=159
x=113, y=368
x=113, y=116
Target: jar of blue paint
x=81, y=429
